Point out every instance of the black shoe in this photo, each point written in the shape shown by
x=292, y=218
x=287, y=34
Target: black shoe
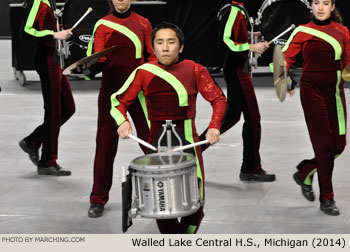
x=261, y=176
x=32, y=153
x=96, y=210
x=329, y=207
x=306, y=190
x=55, y=170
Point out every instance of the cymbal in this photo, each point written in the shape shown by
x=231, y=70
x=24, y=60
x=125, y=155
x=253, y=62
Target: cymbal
x=93, y=58
x=279, y=73
x=346, y=73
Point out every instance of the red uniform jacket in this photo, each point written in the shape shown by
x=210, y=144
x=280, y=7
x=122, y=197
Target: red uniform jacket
x=324, y=47
x=170, y=92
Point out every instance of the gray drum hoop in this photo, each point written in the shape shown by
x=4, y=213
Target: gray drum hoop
x=267, y=3
x=163, y=167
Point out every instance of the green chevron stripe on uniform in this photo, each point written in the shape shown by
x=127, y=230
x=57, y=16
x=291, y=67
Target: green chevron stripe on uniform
x=122, y=29
x=142, y=100
x=161, y=73
x=322, y=35
x=340, y=108
x=28, y=28
x=189, y=138
x=228, y=32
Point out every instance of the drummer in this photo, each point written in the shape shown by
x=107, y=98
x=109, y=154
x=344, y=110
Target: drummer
x=131, y=33
x=40, y=28
x=170, y=87
x=325, y=45
x=240, y=90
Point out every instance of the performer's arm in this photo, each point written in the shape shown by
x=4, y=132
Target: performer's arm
x=229, y=32
x=98, y=40
x=293, y=47
x=35, y=12
x=125, y=96
x=213, y=94
x=346, y=58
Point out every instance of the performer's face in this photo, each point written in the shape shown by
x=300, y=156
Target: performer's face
x=167, y=46
x=322, y=9
x=121, y=6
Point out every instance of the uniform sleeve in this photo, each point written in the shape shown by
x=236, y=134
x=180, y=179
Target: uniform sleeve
x=346, y=57
x=213, y=94
x=231, y=33
x=99, y=42
x=96, y=44
x=125, y=96
x=293, y=47
x=34, y=13
x=148, y=42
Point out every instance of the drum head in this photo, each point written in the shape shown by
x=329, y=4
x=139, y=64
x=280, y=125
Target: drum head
x=163, y=161
x=279, y=15
x=346, y=73
x=279, y=73
x=75, y=9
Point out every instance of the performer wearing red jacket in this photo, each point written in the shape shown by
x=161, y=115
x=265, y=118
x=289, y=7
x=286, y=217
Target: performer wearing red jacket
x=131, y=33
x=325, y=45
x=241, y=97
x=40, y=28
x=170, y=88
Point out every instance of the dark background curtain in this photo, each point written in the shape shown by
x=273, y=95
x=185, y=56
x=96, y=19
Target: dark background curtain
x=197, y=18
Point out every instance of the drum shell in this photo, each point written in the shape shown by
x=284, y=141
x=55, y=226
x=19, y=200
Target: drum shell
x=165, y=191
x=278, y=15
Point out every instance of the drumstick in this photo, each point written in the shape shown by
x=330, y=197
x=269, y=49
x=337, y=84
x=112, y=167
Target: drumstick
x=189, y=146
x=81, y=19
x=281, y=34
x=149, y=146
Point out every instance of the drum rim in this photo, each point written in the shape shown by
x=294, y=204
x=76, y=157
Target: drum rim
x=166, y=167
x=267, y=3
x=183, y=213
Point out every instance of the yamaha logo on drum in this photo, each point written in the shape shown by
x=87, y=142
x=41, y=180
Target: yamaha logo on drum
x=280, y=42
x=85, y=38
x=161, y=195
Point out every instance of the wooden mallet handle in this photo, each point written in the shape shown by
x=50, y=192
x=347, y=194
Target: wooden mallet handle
x=281, y=34
x=81, y=19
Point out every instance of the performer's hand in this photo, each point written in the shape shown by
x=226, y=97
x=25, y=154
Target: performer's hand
x=259, y=48
x=213, y=136
x=84, y=68
x=63, y=35
x=124, y=130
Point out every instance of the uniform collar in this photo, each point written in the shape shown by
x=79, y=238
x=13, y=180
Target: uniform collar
x=319, y=22
x=122, y=15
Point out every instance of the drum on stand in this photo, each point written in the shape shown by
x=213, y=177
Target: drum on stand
x=165, y=185
x=274, y=17
x=73, y=10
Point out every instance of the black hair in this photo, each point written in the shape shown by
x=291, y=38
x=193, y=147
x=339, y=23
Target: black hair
x=167, y=25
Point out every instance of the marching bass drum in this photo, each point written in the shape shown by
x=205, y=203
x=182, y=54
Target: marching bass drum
x=275, y=16
x=72, y=12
